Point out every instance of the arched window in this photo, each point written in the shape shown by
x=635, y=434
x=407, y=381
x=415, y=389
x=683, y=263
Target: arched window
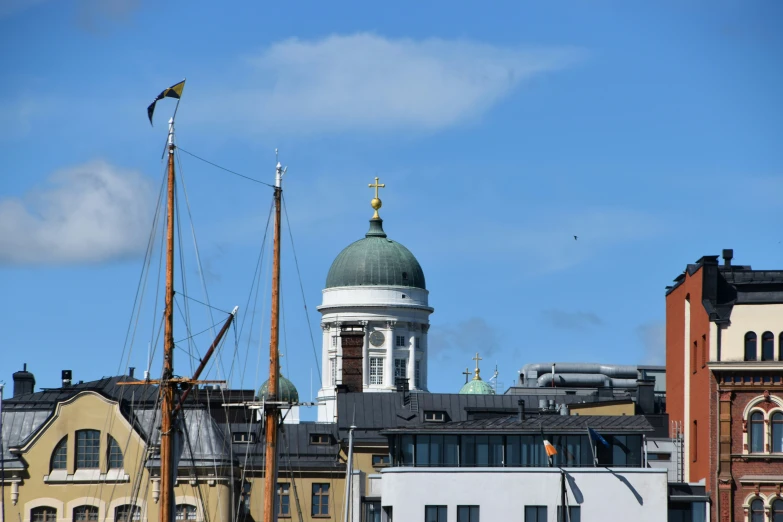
x=43, y=514
x=757, y=511
x=756, y=432
x=750, y=346
x=127, y=513
x=88, y=449
x=115, y=454
x=186, y=512
x=777, y=433
x=777, y=511
x=82, y=513
x=60, y=454
x=767, y=346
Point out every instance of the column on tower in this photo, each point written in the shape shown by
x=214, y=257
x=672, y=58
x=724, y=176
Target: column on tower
x=391, y=340
x=412, y=357
x=423, y=348
x=325, y=374
x=366, y=355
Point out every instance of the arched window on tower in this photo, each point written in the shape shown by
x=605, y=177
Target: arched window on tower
x=767, y=346
x=756, y=432
x=750, y=346
x=777, y=433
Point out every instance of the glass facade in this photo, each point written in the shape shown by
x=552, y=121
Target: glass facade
x=513, y=451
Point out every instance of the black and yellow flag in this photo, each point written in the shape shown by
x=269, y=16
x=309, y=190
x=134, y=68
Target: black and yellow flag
x=175, y=91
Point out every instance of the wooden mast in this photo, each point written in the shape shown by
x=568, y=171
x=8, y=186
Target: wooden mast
x=166, y=384
x=271, y=406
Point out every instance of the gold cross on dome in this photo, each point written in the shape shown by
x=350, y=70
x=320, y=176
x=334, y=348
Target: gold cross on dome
x=376, y=202
x=477, y=359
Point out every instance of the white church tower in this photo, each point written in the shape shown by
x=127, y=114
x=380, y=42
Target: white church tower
x=375, y=318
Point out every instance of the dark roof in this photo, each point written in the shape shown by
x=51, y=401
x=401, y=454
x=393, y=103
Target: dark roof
x=605, y=424
x=724, y=286
x=106, y=386
x=294, y=448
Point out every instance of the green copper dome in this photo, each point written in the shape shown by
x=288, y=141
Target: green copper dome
x=477, y=387
x=375, y=261
x=286, y=392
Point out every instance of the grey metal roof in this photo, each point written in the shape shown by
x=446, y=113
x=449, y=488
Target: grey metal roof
x=295, y=451
x=549, y=423
x=375, y=260
x=18, y=427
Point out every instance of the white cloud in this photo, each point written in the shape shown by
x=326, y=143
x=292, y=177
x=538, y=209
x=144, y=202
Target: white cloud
x=565, y=320
x=88, y=213
x=368, y=82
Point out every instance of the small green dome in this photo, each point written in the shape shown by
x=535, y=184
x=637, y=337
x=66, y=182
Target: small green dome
x=286, y=392
x=375, y=260
x=477, y=387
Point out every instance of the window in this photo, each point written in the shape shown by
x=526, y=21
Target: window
x=186, y=512
x=434, y=416
x=780, y=347
x=115, y=454
x=467, y=514
x=417, y=374
x=88, y=449
x=376, y=370
x=767, y=346
x=400, y=341
x=320, y=500
x=380, y=461
x=60, y=454
x=777, y=511
x=659, y=456
x=757, y=511
x=406, y=450
x=127, y=513
x=43, y=514
x=750, y=346
x=85, y=513
x=535, y=514
x=319, y=438
x=400, y=369
x=693, y=356
x=333, y=370
x=435, y=514
x=756, y=432
x=243, y=437
x=574, y=514
x=777, y=433
x=372, y=511
x=283, y=499
x=694, y=441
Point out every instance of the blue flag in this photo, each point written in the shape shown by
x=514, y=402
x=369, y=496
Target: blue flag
x=597, y=436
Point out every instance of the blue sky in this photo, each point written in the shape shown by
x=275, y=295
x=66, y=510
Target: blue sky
x=651, y=131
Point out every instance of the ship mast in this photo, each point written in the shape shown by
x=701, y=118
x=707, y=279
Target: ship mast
x=271, y=406
x=166, y=384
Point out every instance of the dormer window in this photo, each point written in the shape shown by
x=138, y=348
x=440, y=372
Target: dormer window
x=243, y=437
x=319, y=438
x=434, y=416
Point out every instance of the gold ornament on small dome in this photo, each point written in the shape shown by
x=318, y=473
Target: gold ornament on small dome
x=376, y=202
x=477, y=377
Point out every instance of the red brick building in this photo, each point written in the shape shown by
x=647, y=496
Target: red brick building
x=724, y=368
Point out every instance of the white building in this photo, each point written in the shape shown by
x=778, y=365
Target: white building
x=376, y=289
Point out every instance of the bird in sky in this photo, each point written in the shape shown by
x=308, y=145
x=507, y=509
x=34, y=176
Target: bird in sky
x=574, y=238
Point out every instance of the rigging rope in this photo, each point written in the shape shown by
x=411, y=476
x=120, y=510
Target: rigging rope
x=224, y=168
x=301, y=287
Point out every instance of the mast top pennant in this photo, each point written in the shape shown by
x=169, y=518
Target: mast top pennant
x=175, y=91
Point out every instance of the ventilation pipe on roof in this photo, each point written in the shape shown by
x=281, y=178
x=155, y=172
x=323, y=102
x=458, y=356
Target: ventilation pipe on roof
x=66, y=375
x=24, y=382
x=728, y=255
x=521, y=409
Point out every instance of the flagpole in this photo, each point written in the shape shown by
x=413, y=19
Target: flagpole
x=592, y=448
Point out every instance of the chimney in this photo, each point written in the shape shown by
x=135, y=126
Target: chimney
x=66, y=374
x=521, y=409
x=24, y=382
x=130, y=371
x=728, y=255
